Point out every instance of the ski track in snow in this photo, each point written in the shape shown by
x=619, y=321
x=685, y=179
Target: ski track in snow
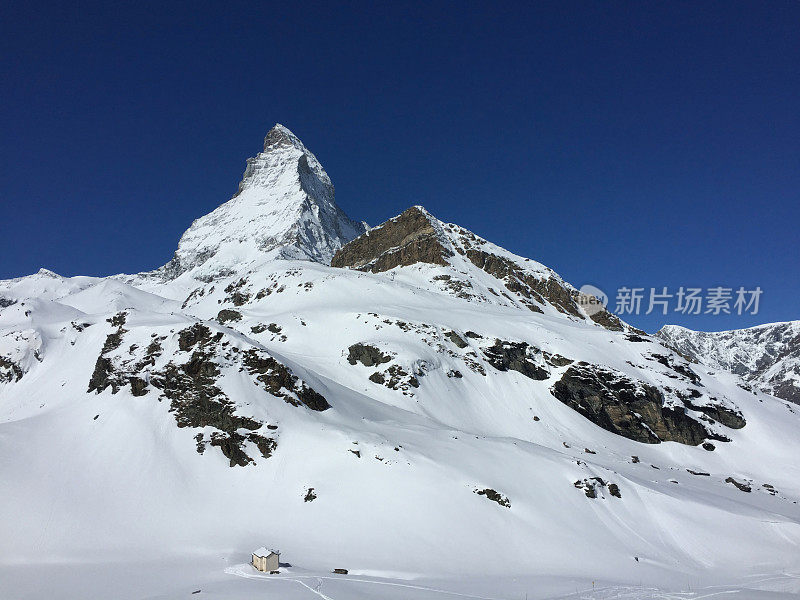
x=240, y=571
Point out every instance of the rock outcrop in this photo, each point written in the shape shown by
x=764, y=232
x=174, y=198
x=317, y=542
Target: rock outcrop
x=404, y=240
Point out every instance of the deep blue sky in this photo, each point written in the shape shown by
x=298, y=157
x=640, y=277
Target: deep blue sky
x=640, y=144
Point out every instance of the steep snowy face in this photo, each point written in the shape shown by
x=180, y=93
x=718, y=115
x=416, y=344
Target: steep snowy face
x=284, y=208
x=767, y=356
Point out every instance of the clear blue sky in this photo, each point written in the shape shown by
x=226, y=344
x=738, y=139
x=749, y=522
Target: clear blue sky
x=622, y=143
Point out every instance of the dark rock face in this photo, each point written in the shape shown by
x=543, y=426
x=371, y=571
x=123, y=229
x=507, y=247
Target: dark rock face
x=742, y=487
x=367, y=355
x=525, y=284
x=608, y=320
x=9, y=370
x=196, y=334
x=279, y=381
x=190, y=383
x=594, y=485
x=104, y=374
x=494, y=496
x=395, y=378
x=405, y=240
x=197, y=402
x=680, y=370
x=626, y=407
x=456, y=339
x=724, y=415
x=226, y=315
x=515, y=356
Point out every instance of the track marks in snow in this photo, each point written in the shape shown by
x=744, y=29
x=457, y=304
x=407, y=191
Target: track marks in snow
x=242, y=571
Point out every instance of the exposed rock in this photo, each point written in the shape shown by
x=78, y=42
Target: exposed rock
x=456, y=339
x=526, y=284
x=494, y=496
x=515, y=356
x=367, y=355
x=556, y=360
x=9, y=370
x=594, y=485
x=608, y=320
x=742, y=487
x=684, y=371
x=405, y=240
x=626, y=407
x=279, y=381
x=196, y=334
x=724, y=415
x=226, y=315
x=310, y=495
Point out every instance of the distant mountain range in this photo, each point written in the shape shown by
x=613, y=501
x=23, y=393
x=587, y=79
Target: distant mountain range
x=767, y=357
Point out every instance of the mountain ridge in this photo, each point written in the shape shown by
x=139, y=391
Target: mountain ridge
x=765, y=356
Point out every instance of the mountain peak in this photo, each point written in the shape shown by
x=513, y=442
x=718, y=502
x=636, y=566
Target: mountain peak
x=284, y=208
x=280, y=136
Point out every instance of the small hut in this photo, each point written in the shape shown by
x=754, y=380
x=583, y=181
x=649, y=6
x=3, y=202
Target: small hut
x=266, y=560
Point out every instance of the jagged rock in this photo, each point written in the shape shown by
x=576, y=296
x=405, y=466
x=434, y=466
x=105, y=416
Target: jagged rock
x=227, y=314
x=724, y=415
x=494, y=496
x=9, y=370
x=626, y=407
x=456, y=339
x=367, y=355
x=196, y=334
x=279, y=381
x=519, y=281
x=742, y=487
x=405, y=240
x=515, y=356
x=684, y=371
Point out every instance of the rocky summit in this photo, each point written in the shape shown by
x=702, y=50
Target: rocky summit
x=403, y=401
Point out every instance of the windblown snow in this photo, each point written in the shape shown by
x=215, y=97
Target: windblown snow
x=434, y=414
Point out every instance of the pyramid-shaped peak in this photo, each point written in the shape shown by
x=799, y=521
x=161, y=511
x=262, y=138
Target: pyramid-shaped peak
x=284, y=208
x=281, y=136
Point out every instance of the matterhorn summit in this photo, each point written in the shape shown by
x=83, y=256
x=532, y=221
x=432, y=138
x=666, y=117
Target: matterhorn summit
x=284, y=208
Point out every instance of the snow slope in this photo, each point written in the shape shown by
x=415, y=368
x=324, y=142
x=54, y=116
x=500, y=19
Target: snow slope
x=434, y=414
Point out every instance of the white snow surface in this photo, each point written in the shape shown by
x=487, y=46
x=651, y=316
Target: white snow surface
x=103, y=495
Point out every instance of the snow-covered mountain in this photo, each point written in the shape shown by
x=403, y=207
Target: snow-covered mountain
x=413, y=402
x=284, y=207
x=767, y=357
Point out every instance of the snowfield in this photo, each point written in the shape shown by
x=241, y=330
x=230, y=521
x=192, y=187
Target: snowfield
x=438, y=416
